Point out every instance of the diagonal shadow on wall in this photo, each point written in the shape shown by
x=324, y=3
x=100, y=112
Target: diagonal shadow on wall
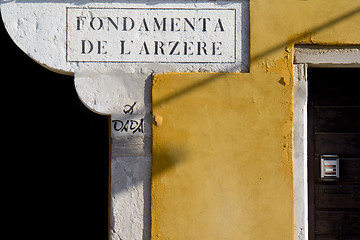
x=260, y=56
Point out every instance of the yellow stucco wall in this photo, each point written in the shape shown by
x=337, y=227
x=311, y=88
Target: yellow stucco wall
x=222, y=143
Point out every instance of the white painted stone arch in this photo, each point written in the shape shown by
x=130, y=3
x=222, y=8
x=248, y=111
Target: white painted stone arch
x=41, y=29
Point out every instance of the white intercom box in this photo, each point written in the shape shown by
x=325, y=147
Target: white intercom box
x=329, y=167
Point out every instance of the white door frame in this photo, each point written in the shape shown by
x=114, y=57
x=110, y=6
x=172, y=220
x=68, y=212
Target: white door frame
x=310, y=56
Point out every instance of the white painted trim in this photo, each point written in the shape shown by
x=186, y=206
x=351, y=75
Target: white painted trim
x=327, y=56
x=300, y=151
x=310, y=56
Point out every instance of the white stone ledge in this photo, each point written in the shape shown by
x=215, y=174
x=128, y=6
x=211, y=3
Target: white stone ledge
x=327, y=56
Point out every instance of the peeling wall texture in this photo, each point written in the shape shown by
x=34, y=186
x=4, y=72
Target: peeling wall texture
x=222, y=142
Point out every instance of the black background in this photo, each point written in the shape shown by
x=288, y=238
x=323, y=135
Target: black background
x=55, y=154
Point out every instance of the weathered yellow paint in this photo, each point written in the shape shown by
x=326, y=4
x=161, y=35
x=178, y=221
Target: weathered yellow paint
x=222, y=143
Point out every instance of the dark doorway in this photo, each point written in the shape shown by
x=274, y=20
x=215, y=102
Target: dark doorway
x=55, y=158
x=334, y=129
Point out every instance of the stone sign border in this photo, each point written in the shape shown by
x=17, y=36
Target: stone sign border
x=181, y=62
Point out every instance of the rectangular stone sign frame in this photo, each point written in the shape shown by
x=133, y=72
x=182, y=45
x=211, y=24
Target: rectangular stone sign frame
x=70, y=58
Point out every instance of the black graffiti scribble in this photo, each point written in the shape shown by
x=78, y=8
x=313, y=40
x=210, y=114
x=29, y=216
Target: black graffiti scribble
x=129, y=125
x=129, y=109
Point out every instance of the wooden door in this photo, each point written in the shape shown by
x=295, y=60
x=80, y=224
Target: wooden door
x=334, y=128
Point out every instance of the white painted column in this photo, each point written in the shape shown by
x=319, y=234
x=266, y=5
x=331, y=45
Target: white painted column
x=130, y=188
x=300, y=152
x=127, y=98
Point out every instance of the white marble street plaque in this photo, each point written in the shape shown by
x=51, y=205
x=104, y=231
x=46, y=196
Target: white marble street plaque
x=163, y=35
